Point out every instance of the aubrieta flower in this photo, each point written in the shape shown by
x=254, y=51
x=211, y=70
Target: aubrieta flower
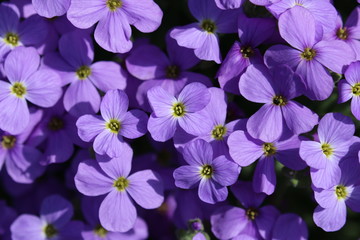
x=30, y=32
x=21, y=160
x=116, y=122
x=348, y=32
x=217, y=130
x=349, y=88
x=244, y=53
x=289, y=225
x=229, y=4
x=74, y=65
x=330, y=215
x=214, y=175
x=148, y=62
x=113, y=31
x=40, y=87
x=111, y=176
x=171, y=112
x=202, y=36
x=275, y=87
x=51, y=9
x=54, y=222
x=249, y=222
x=311, y=56
x=335, y=133
x=245, y=150
x=323, y=11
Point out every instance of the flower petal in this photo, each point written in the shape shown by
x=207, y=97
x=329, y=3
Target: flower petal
x=114, y=105
x=106, y=75
x=330, y=219
x=187, y=176
x=161, y=128
x=109, y=143
x=117, y=213
x=212, y=192
x=84, y=13
x=312, y=154
x=134, y=124
x=226, y=172
x=27, y=226
x=198, y=153
x=264, y=176
x=91, y=180
x=14, y=114
x=89, y=126
x=56, y=210
x=161, y=101
x=195, y=96
x=146, y=188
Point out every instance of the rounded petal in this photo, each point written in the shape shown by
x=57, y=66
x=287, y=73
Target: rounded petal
x=345, y=91
x=266, y=220
x=81, y=98
x=146, y=188
x=352, y=73
x=198, y=153
x=281, y=54
x=226, y=172
x=51, y=9
x=355, y=107
x=114, y=105
x=195, y=96
x=255, y=84
x=312, y=154
x=264, y=176
x=189, y=36
x=187, y=176
x=84, y=13
x=14, y=114
x=161, y=128
x=243, y=148
x=21, y=63
x=109, y=143
x=210, y=50
x=212, y=192
x=90, y=180
x=330, y=219
x=160, y=101
x=326, y=177
x=89, y=126
x=296, y=228
x=27, y=227
x=228, y=222
x=292, y=112
x=43, y=88
x=134, y=124
x=106, y=75
x=114, y=26
x=117, y=213
x=266, y=124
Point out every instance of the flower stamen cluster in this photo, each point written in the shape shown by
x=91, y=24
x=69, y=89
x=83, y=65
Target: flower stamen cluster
x=83, y=72
x=8, y=141
x=121, y=184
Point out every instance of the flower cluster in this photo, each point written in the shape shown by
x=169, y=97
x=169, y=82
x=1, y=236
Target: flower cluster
x=197, y=119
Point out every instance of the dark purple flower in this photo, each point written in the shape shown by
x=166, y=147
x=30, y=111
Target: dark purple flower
x=276, y=88
x=245, y=150
x=203, y=35
x=252, y=222
x=214, y=175
x=289, y=226
x=8, y=215
x=310, y=56
x=75, y=67
x=252, y=32
x=54, y=222
x=13, y=34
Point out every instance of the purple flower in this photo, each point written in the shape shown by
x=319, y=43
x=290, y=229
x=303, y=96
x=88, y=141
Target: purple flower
x=21, y=160
x=40, y=87
x=290, y=225
x=202, y=36
x=275, y=87
x=113, y=31
x=244, y=53
x=51, y=9
x=58, y=132
x=322, y=11
x=349, y=88
x=111, y=176
x=171, y=112
x=252, y=222
x=148, y=62
x=115, y=122
x=310, y=56
x=30, y=32
x=54, y=222
x=214, y=175
x=335, y=133
x=330, y=215
x=74, y=65
x=229, y=4
x=217, y=130
x=285, y=150
x=264, y=2
x=349, y=33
